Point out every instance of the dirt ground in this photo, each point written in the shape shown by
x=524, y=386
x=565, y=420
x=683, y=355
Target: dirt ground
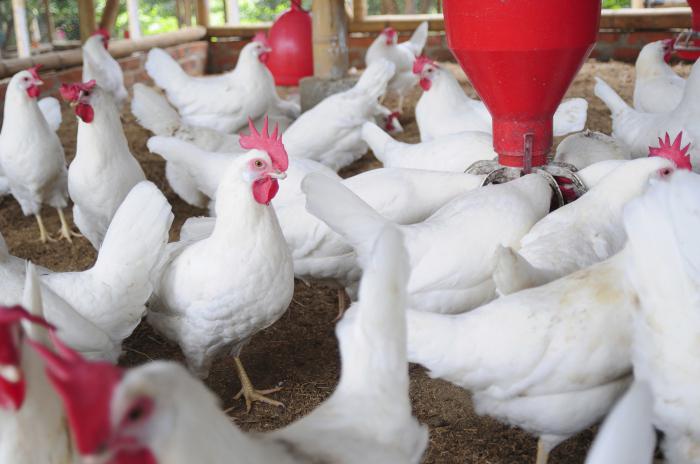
x=299, y=353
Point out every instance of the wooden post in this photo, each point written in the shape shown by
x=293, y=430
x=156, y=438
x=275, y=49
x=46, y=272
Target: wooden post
x=187, y=11
x=330, y=37
x=637, y=4
x=49, y=21
x=132, y=11
x=19, y=17
x=203, y=13
x=86, y=14
x=233, y=15
x=109, y=15
x=359, y=10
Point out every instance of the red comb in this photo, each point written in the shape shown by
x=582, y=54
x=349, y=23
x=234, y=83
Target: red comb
x=71, y=92
x=261, y=37
x=34, y=70
x=86, y=390
x=420, y=63
x=673, y=151
x=390, y=31
x=266, y=142
x=103, y=32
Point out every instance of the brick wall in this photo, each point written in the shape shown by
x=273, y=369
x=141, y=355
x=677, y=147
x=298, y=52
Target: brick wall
x=192, y=57
x=622, y=46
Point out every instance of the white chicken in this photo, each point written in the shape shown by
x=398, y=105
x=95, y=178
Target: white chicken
x=451, y=252
x=212, y=295
x=627, y=436
x=330, y=132
x=445, y=109
x=664, y=269
x=103, y=171
x=31, y=155
x=580, y=233
x=98, y=308
x=29, y=407
x=551, y=360
x=641, y=130
x=362, y=422
x=454, y=153
x=223, y=102
x=657, y=88
x=583, y=149
x=99, y=65
x=386, y=47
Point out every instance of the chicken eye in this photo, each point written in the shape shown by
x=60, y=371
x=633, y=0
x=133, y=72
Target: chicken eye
x=666, y=172
x=259, y=164
x=135, y=414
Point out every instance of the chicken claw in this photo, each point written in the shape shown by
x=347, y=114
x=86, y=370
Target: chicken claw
x=65, y=231
x=43, y=234
x=342, y=305
x=249, y=393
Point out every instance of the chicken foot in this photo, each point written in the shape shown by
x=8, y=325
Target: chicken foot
x=65, y=231
x=43, y=234
x=341, y=304
x=542, y=452
x=249, y=393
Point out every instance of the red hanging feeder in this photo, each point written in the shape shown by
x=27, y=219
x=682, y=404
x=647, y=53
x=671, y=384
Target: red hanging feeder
x=687, y=44
x=521, y=57
x=291, y=57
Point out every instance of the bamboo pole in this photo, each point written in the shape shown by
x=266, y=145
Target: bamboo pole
x=203, y=13
x=359, y=10
x=233, y=15
x=86, y=14
x=330, y=38
x=19, y=16
x=109, y=15
x=187, y=7
x=132, y=10
x=637, y=4
x=49, y=21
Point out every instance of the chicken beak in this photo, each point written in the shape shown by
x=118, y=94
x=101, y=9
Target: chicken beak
x=278, y=175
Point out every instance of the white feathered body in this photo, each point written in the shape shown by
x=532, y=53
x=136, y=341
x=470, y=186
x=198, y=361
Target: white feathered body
x=99, y=65
x=665, y=271
x=453, y=153
x=551, y=360
x=657, y=88
x=583, y=149
x=213, y=294
x=31, y=154
x=103, y=171
x=330, y=132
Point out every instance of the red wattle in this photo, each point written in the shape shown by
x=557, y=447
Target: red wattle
x=265, y=189
x=263, y=57
x=141, y=456
x=12, y=394
x=85, y=112
x=33, y=91
x=425, y=84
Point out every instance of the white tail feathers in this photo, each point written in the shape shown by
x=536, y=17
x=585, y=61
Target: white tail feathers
x=570, y=116
x=627, y=435
x=31, y=300
x=343, y=211
x=153, y=111
x=163, y=69
x=611, y=99
x=419, y=37
x=375, y=78
x=377, y=139
x=51, y=109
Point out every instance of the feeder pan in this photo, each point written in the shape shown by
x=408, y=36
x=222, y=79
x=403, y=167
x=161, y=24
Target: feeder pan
x=520, y=60
x=687, y=44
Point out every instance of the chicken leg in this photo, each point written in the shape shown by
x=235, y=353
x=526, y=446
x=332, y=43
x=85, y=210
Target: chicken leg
x=65, y=231
x=542, y=452
x=341, y=304
x=249, y=393
x=43, y=235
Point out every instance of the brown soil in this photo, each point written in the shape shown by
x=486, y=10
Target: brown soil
x=299, y=352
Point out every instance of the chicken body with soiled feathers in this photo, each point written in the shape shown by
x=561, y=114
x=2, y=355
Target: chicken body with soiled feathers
x=453, y=153
x=31, y=155
x=386, y=47
x=362, y=421
x=103, y=171
x=664, y=269
x=99, y=65
x=223, y=102
x=580, y=233
x=331, y=132
x=445, y=109
x=213, y=294
x=657, y=88
x=37, y=410
x=451, y=252
x=583, y=149
x=98, y=308
x=551, y=360
x=641, y=130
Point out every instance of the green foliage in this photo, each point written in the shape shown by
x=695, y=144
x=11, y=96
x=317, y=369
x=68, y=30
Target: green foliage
x=616, y=4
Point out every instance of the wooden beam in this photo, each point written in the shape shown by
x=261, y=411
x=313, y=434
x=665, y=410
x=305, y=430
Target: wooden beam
x=330, y=38
x=109, y=15
x=132, y=11
x=203, y=13
x=19, y=17
x=117, y=48
x=86, y=15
